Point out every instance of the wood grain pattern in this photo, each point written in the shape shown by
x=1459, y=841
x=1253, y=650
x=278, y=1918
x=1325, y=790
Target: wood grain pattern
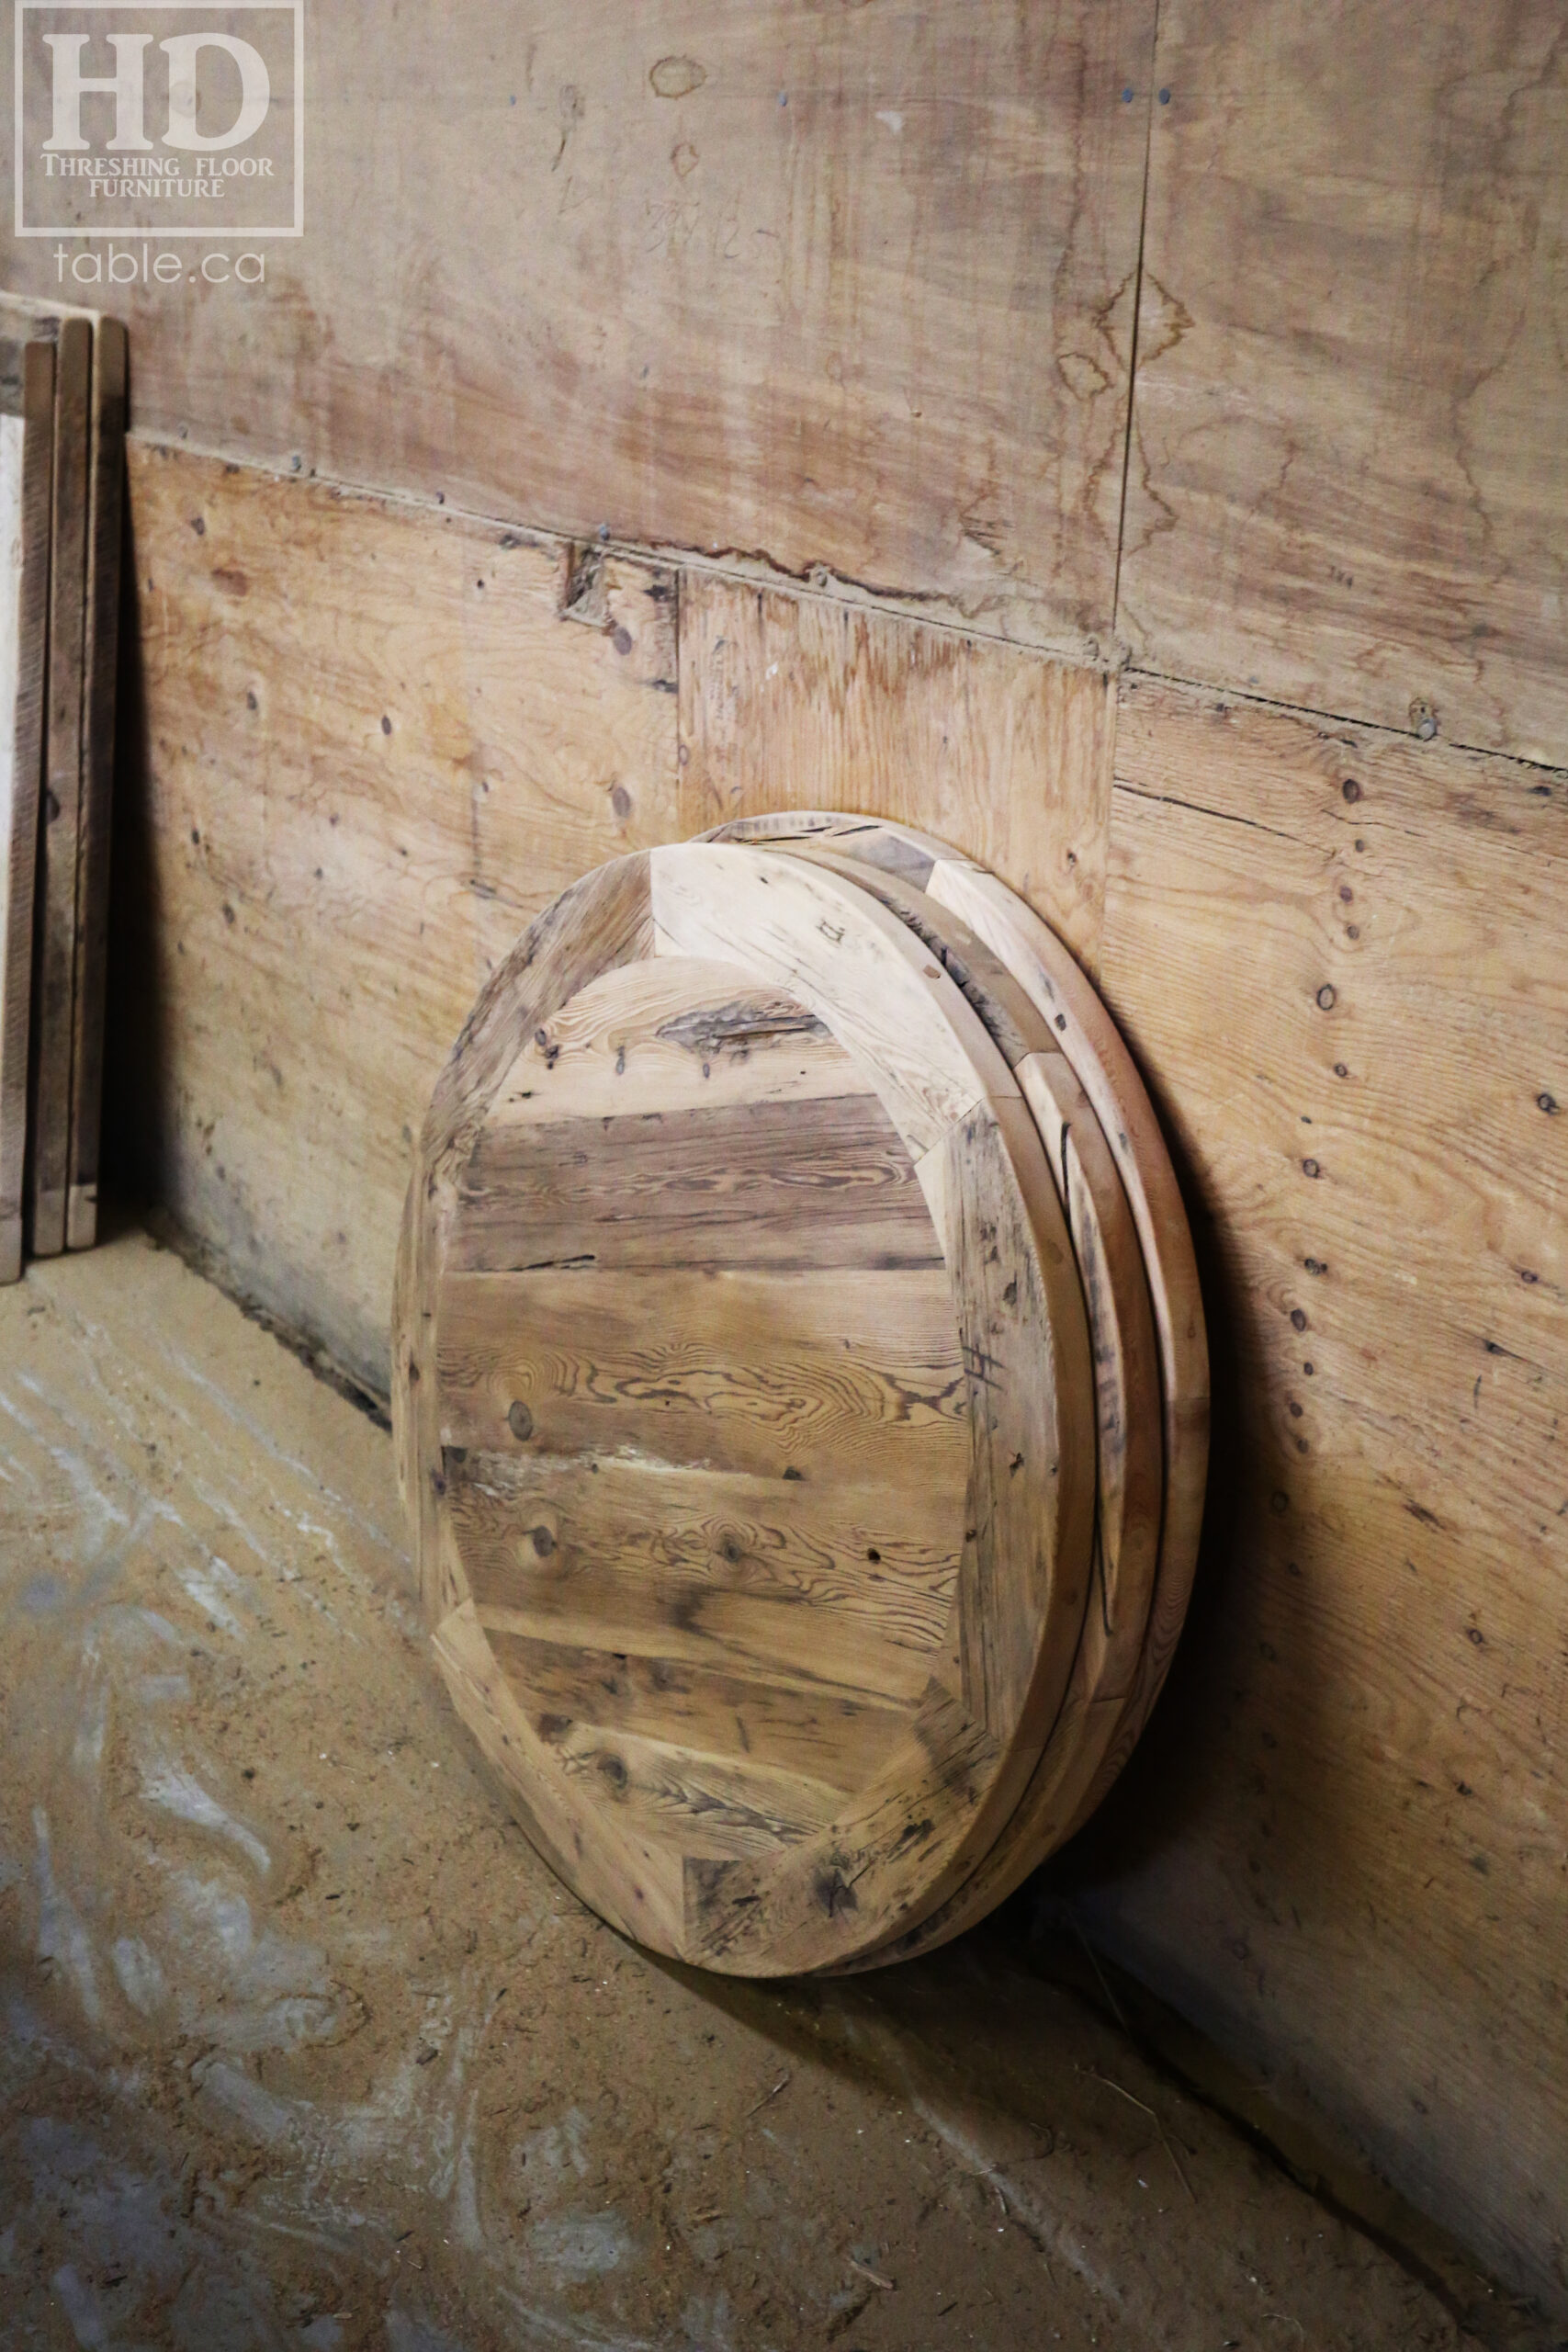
x=1129, y=1450
x=600, y=923
x=860, y=1556
x=357, y=775
x=27, y=457
x=726, y=1182
x=844, y=1482
x=943, y=1766
x=1344, y=1845
x=791, y=702
x=688, y=1619
x=1092, y=1044
x=99, y=672
x=1039, y=979
x=915, y=1038
x=754, y=1371
x=1348, y=485
x=55, y=954
x=695, y=1034
x=797, y=1727
x=628, y=1880
x=722, y=1806
x=843, y=295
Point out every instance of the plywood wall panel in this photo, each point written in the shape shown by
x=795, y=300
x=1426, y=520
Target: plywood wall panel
x=1349, y=477
x=373, y=751
x=840, y=289
x=790, y=702
x=1339, y=957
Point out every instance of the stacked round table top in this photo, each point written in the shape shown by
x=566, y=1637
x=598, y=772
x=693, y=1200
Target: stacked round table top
x=801, y=1393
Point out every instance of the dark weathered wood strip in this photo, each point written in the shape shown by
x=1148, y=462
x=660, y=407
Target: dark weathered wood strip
x=813, y=1184
x=795, y=1727
x=55, y=952
x=826, y=1375
x=13, y=370
x=686, y=1619
x=99, y=667
x=27, y=633
x=875, y=1561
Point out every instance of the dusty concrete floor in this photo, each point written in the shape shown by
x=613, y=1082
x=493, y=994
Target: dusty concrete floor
x=302, y=2047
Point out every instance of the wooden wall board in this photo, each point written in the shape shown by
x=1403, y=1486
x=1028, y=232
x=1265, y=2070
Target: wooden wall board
x=26, y=462
x=369, y=749
x=99, y=679
x=845, y=290
x=55, y=936
x=1339, y=957
x=797, y=702
x=1349, y=477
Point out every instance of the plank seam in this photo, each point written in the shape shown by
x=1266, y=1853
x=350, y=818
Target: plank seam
x=900, y=603
x=1136, y=673
x=676, y=560
x=1137, y=308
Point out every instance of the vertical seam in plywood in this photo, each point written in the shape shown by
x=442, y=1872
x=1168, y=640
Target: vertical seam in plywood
x=683, y=755
x=1137, y=309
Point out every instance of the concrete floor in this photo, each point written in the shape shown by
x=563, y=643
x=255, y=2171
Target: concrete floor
x=302, y=2046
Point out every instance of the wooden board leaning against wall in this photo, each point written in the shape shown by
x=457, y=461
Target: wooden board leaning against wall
x=1339, y=956
x=27, y=471
x=83, y=567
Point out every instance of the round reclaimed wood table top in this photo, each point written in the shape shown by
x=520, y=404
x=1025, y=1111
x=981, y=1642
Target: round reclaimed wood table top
x=746, y=1410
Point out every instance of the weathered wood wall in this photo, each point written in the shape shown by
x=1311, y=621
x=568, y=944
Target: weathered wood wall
x=374, y=750
x=847, y=381
x=1340, y=956
x=1349, y=486
x=847, y=289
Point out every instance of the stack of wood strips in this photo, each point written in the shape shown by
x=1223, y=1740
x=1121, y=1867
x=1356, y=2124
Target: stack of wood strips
x=62, y=398
x=801, y=1393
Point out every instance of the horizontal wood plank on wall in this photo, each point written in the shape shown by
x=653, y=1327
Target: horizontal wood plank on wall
x=797, y=702
x=847, y=290
x=1348, y=486
x=1338, y=955
x=371, y=749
